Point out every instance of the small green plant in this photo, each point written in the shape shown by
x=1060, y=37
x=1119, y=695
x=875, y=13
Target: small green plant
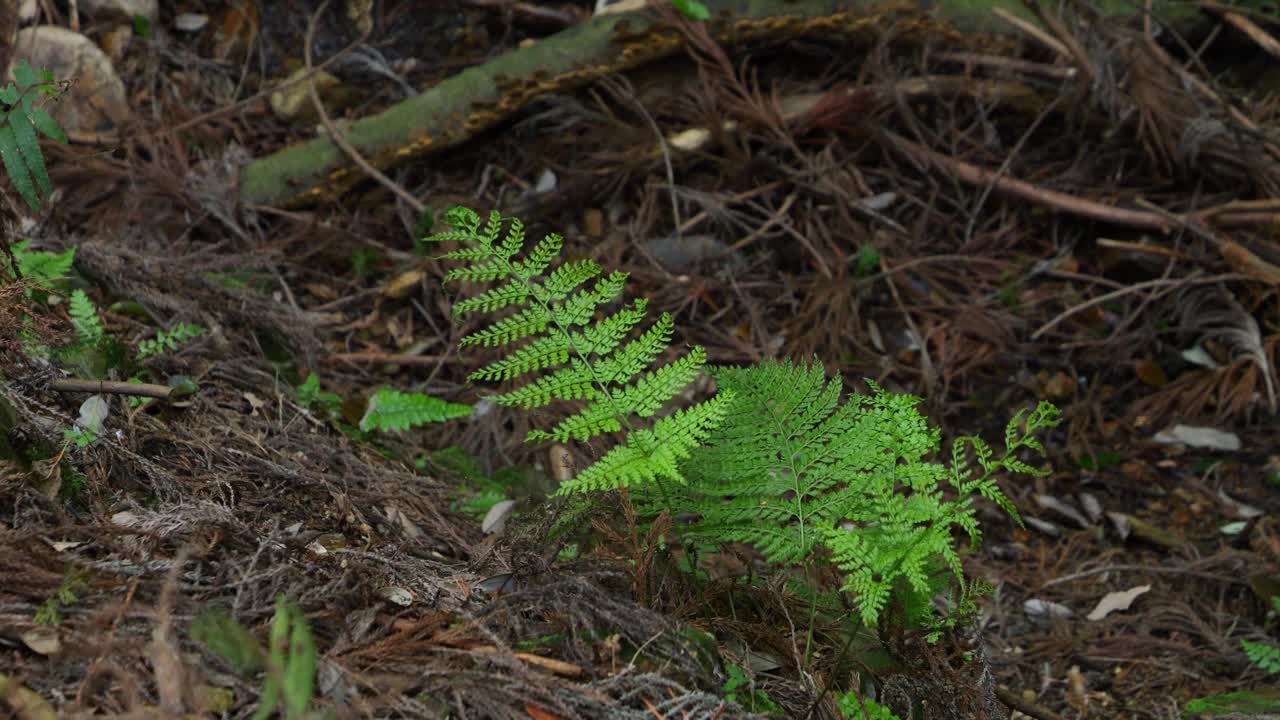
x=311, y=397
x=364, y=260
x=44, y=268
x=852, y=707
x=740, y=689
x=84, y=318
x=50, y=611
x=167, y=341
x=1265, y=655
x=20, y=120
x=867, y=261
x=774, y=459
x=289, y=661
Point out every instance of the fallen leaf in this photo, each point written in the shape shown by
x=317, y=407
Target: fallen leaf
x=496, y=518
x=1237, y=509
x=42, y=640
x=1114, y=601
x=1065, y=509
x=1150, y=373
x=1194, y=436
x=1043, y=526
x=397, y=595
x=401, y=285
x=538, y=713
x=1059, y=386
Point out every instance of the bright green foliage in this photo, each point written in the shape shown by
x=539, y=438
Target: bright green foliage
x=791, y=468
x=692, y=9
x=393, y=410
x=558, y=324
x=310, y=396
x=289, y=661
x=291, y=665
x=1243, y=703
x=739, y=688
x=1263, y=655
x=229, y=640
x=84, y=318
x=167, y=341
x=42, y=267
x=853, y=707
x=781, y=463
x=20, y=120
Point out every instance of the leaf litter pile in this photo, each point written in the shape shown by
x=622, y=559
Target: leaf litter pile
x=1073, y=209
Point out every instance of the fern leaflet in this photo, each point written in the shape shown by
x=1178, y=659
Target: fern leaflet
x=393, y=410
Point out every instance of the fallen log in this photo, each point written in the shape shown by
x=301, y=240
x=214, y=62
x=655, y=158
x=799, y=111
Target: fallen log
x=479, y=98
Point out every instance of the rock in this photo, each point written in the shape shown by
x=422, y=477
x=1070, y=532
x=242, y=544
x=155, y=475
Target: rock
x=95, y=107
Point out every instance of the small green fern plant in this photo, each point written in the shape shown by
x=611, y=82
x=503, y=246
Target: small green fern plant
x=1261, y=654
x=774, y=459
x=792, y=470
x=20, y=121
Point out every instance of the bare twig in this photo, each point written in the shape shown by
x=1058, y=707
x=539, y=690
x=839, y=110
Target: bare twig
x=336, y=135
x=112, y=387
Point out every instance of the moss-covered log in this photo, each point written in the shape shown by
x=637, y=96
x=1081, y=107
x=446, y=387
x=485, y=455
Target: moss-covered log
x=480, y=97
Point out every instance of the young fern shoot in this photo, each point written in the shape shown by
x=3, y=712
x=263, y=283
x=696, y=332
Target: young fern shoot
x=565, y=344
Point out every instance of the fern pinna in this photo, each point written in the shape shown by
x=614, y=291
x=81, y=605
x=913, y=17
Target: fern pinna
x=558, y=325
x=791, y=469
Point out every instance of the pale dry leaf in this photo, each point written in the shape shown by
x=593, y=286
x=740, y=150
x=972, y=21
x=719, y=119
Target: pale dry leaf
x=496, y=519
x=42, y=640
x=1113, y=601
x=1063, y=508
x=1202, y=437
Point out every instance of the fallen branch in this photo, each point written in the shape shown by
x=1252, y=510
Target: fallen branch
x=112, y=387
x=480, y=97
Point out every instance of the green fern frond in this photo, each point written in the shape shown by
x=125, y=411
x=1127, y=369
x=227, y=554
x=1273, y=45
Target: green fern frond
x=43, y=267
x=167, y=341
x=643, y=398
x=1263, y=655
x=393, y=410
x=84, y=318
x=564, y=345
x=790, y=469
x=648, y=455
x=20, y=120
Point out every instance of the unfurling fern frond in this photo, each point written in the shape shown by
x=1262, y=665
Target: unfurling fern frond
x=20, y=120
x=791, y=469
x=562, y=344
